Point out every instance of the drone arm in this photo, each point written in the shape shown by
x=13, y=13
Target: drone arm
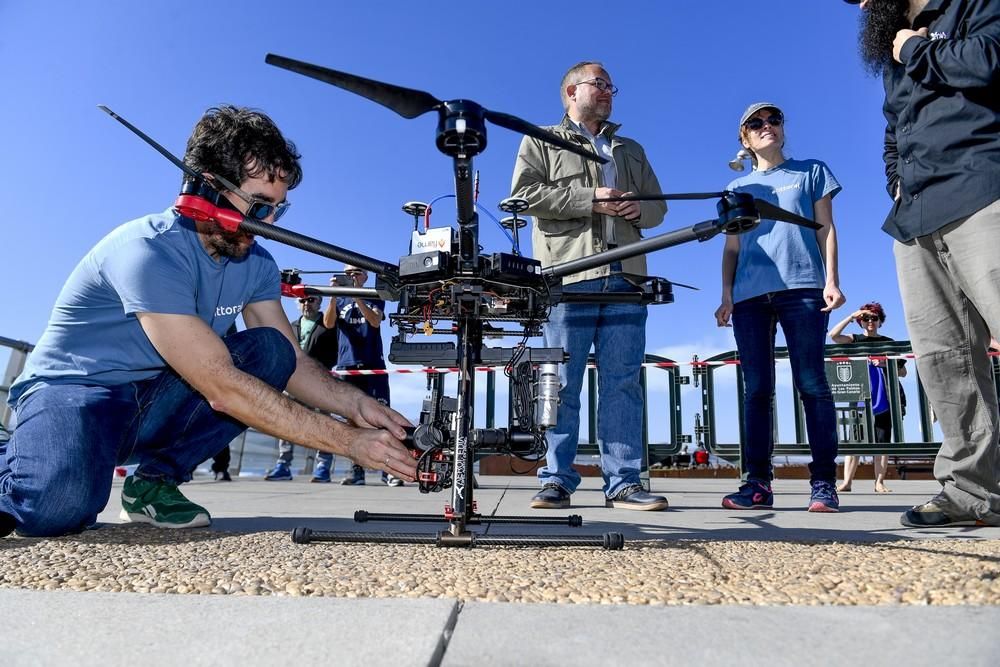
x=317, y=247
x=699, y=232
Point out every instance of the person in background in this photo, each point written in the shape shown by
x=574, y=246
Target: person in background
x=870, y=317
x=321, y=344
x=356, y=322
x=938, y=60
x=780, y=273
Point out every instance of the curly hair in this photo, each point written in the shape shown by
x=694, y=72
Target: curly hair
x=876, y=308
x=239, y=143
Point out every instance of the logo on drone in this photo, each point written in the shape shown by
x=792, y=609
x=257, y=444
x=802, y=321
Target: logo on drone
x=844, y=371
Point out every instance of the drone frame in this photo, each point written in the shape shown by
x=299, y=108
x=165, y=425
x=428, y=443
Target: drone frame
x=461, y=135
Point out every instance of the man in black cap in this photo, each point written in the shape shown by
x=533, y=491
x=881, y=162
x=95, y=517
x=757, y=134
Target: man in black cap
x=939, y=64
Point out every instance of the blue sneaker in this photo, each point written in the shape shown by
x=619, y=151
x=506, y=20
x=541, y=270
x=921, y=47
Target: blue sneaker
x=824, y=497
x=281, y=472
x=321, y=475
x=754, y=494
x=356, y=477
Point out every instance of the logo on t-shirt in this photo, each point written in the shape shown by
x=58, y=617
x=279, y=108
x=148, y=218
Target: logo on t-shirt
x=352, y=315
x=228, y=310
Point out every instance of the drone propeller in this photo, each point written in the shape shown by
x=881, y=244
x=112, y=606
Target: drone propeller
x=407, y=102
x=670, y=197
x=764, y=209
x=149, y=140
x=226, y=183
x=772, y=212
x=199, y=200
x=410, y=103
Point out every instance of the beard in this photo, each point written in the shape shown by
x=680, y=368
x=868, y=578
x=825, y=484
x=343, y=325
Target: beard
x=880, y=22
x=225, y=243
x=596, y=110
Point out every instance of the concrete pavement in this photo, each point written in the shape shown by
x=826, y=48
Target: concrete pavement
x=695, y=585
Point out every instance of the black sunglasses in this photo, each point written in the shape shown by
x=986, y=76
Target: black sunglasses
x=261, y=210
x=257, y=209
x=308, y=299
x=756, y=123
x=869, y=318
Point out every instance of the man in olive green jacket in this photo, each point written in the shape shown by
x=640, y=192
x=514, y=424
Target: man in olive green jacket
x=560, y=187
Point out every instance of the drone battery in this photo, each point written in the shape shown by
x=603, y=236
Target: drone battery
x=424, y=266
x=513, y=268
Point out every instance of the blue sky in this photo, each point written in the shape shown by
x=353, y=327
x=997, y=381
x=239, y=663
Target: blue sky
x=686, y=71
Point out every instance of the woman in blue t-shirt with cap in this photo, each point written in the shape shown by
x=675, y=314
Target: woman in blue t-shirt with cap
x=780, y=273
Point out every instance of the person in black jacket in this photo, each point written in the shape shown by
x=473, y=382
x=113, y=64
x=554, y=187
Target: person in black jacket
x=319, y=343
x=940, y=65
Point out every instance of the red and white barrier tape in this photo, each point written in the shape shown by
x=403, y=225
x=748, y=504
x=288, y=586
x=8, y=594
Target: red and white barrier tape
x=648, y=364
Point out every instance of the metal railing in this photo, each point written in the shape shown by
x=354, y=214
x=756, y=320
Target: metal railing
x=19, y=351
x=855, y=419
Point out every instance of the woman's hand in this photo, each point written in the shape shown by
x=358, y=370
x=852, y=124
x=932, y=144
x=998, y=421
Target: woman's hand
x=724, y=312
x=833, y=297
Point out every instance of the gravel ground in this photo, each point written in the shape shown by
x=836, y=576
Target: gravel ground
x=144, y=559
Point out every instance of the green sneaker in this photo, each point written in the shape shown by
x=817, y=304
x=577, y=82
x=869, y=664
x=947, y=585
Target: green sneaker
x=161, y=504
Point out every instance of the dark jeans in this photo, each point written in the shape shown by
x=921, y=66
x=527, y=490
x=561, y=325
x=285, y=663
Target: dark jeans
x=804, y=325
x=56, y=471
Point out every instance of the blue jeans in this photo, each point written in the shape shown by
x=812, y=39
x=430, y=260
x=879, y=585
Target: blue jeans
x=804, y=325
x=56, y=471
x=618, y=334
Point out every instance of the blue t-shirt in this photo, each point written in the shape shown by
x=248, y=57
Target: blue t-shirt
x=359, y=343
x=155, y=264
x=778, y=256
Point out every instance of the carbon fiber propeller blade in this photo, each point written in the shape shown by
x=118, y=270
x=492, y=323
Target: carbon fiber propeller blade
x=772, y=212
x=407, y=102
x=670, y=197
x=524, y=127
x=145, y=137
x=410, y=103
x=764, y=208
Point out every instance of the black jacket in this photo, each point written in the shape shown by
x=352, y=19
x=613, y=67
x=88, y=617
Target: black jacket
x=321, y=344
x=942, y=142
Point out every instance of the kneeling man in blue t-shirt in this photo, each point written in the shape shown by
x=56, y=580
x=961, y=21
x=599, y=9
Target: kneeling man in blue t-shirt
x=134, y=365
